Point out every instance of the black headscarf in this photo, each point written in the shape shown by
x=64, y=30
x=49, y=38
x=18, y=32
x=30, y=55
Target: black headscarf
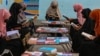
x=14, y=11
x=86, y=12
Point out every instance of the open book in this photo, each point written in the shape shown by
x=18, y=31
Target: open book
x=13, y=34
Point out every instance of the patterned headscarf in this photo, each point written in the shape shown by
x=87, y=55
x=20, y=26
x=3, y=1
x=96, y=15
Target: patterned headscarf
x=95, y=15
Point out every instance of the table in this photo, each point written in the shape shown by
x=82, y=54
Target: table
x=50, y=41
x=38, y=53
x=53, y=22
x=48, y=30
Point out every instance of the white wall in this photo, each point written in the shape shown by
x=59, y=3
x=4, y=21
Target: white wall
x=3, y=5
x=66, y=6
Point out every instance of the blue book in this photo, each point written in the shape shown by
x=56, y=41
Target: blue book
x=48, y=49
x=57, y=40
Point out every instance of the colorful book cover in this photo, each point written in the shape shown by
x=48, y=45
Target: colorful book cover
x=41, y=41
x=48, y=49
x=64, y=39
x=50, y=42
x=64, y=54
x=57, y=40
x=50, y=38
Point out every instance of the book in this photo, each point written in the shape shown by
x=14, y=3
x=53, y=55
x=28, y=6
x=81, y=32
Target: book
x=50, y=38
x=36, y=53
x=50, y=42
x=64, y=54
x=73, y=24
x=32, y=53
x=13, y=34
x=64, y=39
x=57, y=40
x=48, y=49
x=87, y=35
x=41, y=41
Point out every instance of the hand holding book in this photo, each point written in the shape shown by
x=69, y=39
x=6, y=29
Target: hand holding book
x=77, y=27
x=89, y=36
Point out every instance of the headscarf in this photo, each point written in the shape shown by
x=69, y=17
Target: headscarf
x=95, y=15
x=5, y=14
x=78, y=8
x=54, y=11
x=85, y=13
x=23, y=5
x=22, y=16
x=14, y=11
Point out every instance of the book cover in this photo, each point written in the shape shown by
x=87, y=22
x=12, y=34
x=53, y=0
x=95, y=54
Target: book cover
x=50, y=42
x=13, y=34
x=41, y=41
x=50, y=38
x=57, y=40
x=64, y=39
x=48, y=49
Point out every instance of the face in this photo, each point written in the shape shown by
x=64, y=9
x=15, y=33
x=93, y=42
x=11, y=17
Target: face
x=75, y=10
x=54, y=6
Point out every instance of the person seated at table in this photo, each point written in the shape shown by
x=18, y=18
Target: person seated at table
x=53, y=14
x=4, y=17
x=15, y=45
x=92, y=48
x=15, y=23
x=73, y=32
x=24, y=21
x=85, y=24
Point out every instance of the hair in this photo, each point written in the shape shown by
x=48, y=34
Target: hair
x=14, y=11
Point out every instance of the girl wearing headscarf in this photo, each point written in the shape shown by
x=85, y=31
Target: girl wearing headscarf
x=3, y=18
x=78, y=9
x=92, y=48
x=86, y=27
x=15, y=45
x=53, y=13
x=22, y=16
x=74, y=30
x=23, y=20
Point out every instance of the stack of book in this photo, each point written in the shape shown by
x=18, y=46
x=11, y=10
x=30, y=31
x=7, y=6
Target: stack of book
x=48, y=40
